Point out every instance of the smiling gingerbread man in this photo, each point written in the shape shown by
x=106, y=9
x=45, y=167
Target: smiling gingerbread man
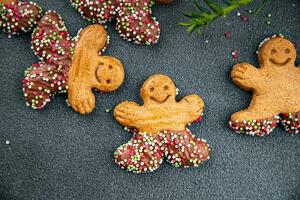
x=276, y=90
x=161, y=124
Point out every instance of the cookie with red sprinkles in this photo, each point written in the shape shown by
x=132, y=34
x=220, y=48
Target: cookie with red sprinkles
x=55, y=48
x=159, y=128
x=276, y=90
x=18, y=16
x=135, y=21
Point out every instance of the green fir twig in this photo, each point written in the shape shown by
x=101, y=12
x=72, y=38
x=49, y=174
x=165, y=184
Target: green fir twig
x=260, y=7
x=204, y=16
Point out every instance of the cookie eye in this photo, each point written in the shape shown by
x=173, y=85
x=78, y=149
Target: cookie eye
x=166, y=87
x=287, y=51
x=273, y=51
x=108, y=81
x=151, y=89
x=110, y=67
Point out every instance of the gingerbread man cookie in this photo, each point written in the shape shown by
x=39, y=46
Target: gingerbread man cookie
x=161, y=123
x=134, y=17
x=276, y=90
x=17, y=16
x=67, y=64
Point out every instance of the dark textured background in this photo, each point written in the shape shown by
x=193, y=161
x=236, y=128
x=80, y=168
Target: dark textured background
x=58, y=154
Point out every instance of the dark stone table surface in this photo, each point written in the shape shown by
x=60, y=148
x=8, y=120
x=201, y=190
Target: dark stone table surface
x=58, y=154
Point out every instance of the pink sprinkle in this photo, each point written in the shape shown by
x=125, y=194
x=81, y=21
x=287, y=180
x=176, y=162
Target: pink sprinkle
x=198, y=119
x=245, y=18
x=235, y=55
x=227, y=35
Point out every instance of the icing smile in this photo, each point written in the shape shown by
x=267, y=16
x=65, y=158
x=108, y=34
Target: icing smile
x=279, y=63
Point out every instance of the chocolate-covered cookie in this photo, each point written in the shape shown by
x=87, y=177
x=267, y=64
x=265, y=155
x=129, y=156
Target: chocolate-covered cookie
x=275, y=86
x=135, y=21
x=161, y=128
x=17, y=16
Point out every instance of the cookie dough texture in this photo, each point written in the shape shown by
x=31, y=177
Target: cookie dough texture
x=161, y=123
x=89, y=70
x=275, y=86
x=69, y=63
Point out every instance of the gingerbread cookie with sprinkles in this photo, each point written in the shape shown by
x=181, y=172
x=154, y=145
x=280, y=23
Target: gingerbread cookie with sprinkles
x=134, y=17
x=161, y=131
x=67, y=64
x=276, y=90
x=17, y=16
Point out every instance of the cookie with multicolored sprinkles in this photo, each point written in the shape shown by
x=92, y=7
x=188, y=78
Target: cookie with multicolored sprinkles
x=134, y=17
x=64, y=65
x=17, y=16
x=160, y=125
x=275, y=86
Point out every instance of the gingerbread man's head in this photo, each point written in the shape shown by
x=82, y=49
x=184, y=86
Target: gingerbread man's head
x=158, y=89
x=109, y=74
x=277, y=52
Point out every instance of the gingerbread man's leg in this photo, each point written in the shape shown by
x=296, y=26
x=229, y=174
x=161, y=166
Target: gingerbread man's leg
x=51, y=42
x=141, y=154
x=41, y=82
x=135, y=23
x=291, y=122
x=259, y=119
x=183, y=149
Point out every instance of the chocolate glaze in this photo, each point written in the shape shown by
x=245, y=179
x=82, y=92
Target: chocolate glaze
x=145, y=152
x=259, y=127
x=16, y=17
x=134, y=17
x=52, y=43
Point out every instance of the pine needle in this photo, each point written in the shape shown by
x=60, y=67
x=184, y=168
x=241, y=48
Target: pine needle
x=205, y=16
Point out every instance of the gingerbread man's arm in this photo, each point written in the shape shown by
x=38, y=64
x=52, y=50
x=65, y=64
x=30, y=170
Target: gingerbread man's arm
x=246, y=76
x=18, y=16
x=130, y=114
x=193, y=106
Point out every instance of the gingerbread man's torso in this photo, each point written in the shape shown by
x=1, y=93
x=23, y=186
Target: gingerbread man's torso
x=160, y=110
x=281, y=89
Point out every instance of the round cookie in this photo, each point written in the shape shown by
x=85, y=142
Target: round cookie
x=68, y=64
x=161, y=123
x=17, y=16
x=275, y=86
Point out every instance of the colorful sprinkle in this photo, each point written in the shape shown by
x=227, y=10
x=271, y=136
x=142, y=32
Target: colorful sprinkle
x=259, y=127
x=19, y=16
x=235, y=55
x=145, y=152
x=134, y=20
